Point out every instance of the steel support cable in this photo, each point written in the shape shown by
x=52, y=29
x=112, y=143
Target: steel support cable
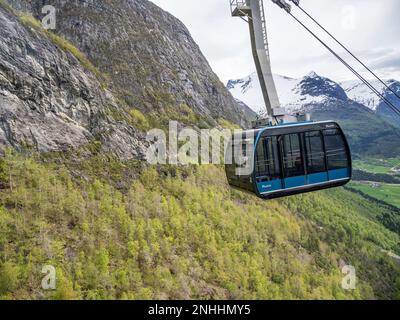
x=348, y=51
x=369, y=85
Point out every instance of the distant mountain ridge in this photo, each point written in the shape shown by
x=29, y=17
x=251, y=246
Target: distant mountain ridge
x=370, y=125
x=312, y=88
x=358, y=91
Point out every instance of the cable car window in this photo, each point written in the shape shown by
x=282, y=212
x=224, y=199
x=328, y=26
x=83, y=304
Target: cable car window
x=315, y=155
x=267, y=160
x=336, y=152
x=292, y=158
x=244, y=149
x=261, y=159
x=239, y=153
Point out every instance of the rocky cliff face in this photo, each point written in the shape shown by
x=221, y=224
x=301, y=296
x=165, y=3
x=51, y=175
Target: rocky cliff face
x=140, y=58
x=152, y=61
x=49, y=101
x=316, y=86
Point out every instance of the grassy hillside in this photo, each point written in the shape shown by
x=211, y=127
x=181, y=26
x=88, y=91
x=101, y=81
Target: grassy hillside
x=182, y=233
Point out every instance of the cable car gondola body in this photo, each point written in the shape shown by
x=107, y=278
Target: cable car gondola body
x=290, y=159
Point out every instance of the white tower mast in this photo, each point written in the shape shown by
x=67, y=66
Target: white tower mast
x=252, y=11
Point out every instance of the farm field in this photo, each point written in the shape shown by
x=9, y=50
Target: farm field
x=378, y=166
x=384, y=192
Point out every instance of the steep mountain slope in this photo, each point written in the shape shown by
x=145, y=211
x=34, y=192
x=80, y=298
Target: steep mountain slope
x=368, y=132
x=148, y=55
x=49, y=101
x=181, y=233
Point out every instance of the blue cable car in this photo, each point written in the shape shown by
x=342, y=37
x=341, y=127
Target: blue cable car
x=289, y=159
x=288, y=154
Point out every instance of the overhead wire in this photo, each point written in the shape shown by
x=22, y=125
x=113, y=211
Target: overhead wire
x=347, y=50
x=359, y=76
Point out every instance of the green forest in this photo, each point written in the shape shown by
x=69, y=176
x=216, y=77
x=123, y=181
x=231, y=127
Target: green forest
x=182, y=233
x=121, y=230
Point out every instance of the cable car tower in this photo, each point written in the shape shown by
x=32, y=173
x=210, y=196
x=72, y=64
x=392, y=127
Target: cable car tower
x=252, y=11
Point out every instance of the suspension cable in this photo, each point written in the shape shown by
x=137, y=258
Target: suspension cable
x=347, y=50
x=368, y=84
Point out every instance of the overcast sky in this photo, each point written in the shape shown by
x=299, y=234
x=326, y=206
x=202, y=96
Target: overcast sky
x=371, y=28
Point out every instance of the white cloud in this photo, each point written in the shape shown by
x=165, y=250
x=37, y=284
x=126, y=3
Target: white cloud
x=366, y=26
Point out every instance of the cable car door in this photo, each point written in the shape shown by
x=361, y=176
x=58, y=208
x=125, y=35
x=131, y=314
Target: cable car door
x=268, y=165
x=315, y=157
x=293, y=169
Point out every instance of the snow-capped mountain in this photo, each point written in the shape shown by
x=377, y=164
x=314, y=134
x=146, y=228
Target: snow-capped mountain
x=358, y=91
x=294, y=94
x=370, y=126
